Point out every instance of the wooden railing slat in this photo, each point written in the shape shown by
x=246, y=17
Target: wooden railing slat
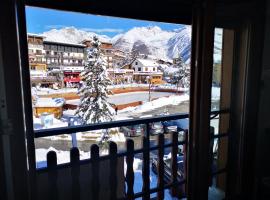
x=185, y=147
x=146, y=165
x=75, y=172
x=174, y=166
x=52, y=175
x=95, y=172
x=113, y=170
x=130, y=170
x=160, y=167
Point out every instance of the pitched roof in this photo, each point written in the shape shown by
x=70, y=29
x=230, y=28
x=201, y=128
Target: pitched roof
x=147, y=62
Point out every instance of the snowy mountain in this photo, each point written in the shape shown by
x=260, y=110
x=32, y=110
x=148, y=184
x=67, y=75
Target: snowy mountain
x=146, y=40
x=180, y=43
x=150, y=40
x=71, y=35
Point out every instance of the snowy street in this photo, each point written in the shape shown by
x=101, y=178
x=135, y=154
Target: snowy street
x=135, y=96
x=130, y=97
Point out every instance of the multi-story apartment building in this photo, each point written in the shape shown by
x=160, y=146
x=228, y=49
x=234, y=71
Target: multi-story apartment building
x=36, y=53
x=66, y=58
x=107, y=50
x=63, y=54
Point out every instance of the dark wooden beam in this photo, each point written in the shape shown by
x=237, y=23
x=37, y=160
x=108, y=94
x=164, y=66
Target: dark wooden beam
x=200, y=99
x=171, y=11
x=12, y=106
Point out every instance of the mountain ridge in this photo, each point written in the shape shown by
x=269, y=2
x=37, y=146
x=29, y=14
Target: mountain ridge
x=151, y=40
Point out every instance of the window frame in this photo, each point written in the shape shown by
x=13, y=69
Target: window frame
x=87, y=8
x=23, y=48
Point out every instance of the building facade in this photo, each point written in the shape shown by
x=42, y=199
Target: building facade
x=107, y=50
x=146, y=70
x=67, y=59
x=36, y=53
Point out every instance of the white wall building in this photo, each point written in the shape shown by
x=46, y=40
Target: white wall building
x=145, y=66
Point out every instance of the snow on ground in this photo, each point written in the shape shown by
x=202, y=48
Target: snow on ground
x=56, y=123
x=49, y=102
x=62, y=156
x=46, y=91
x=163, y=101
x=215, y=93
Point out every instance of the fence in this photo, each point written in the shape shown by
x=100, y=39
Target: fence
x=175, y=184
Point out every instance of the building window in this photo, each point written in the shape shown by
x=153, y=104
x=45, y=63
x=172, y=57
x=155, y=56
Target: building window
x=146, y=69
x=139, y=69
x=38, y=52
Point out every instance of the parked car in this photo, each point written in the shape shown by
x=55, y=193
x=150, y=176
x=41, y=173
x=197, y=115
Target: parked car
x=156, y=128
x=173, y=125
x=133, y=131
x=167, y=170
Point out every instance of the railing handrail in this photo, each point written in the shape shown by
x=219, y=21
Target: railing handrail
x=106, y=125
x=107, y=157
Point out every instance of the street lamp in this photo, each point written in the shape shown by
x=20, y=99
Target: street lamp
x=73, y=122
x=148, y=78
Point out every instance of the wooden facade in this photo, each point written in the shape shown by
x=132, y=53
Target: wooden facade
x=57, y=111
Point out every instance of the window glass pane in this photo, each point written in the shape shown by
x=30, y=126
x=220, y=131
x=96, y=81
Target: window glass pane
x=147, y=70
x=216, y=78
x=132, y=69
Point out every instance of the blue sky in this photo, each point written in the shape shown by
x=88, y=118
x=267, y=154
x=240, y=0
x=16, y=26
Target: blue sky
x=40, y=20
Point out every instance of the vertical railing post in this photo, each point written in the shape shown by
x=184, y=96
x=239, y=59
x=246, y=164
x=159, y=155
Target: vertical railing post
x=95, y=172
x=146, y=164
x=52, y=175
x=160, y=167
x=211, y=154
x=185, y=148
x=174, y=166
x=113, y=170
x=130, y=170
x=75, y=172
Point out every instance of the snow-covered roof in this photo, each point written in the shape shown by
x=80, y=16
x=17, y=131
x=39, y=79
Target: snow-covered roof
x=163, y=66
x=35, y=35
x=148, y=73
x=147, y=62
x=64, y=43
x=50, y=102
x=102, y=40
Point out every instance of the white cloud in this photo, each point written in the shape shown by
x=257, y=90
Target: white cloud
x=54, y=26
x=96, y=30
x=103, y=30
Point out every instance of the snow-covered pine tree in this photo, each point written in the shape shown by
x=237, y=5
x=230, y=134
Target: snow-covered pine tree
x=182, y=75
x=94, y=106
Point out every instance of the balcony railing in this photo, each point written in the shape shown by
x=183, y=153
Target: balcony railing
x=95, y=160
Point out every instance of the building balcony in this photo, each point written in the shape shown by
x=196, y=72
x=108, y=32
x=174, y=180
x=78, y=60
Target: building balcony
x=112, y=175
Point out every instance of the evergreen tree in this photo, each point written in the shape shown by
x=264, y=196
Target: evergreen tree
x=182, y=75
x=94, y=106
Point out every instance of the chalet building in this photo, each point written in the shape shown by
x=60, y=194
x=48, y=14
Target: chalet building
x=121, y=75
x=145, y=70
x=36, y=53
x=37, y=60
